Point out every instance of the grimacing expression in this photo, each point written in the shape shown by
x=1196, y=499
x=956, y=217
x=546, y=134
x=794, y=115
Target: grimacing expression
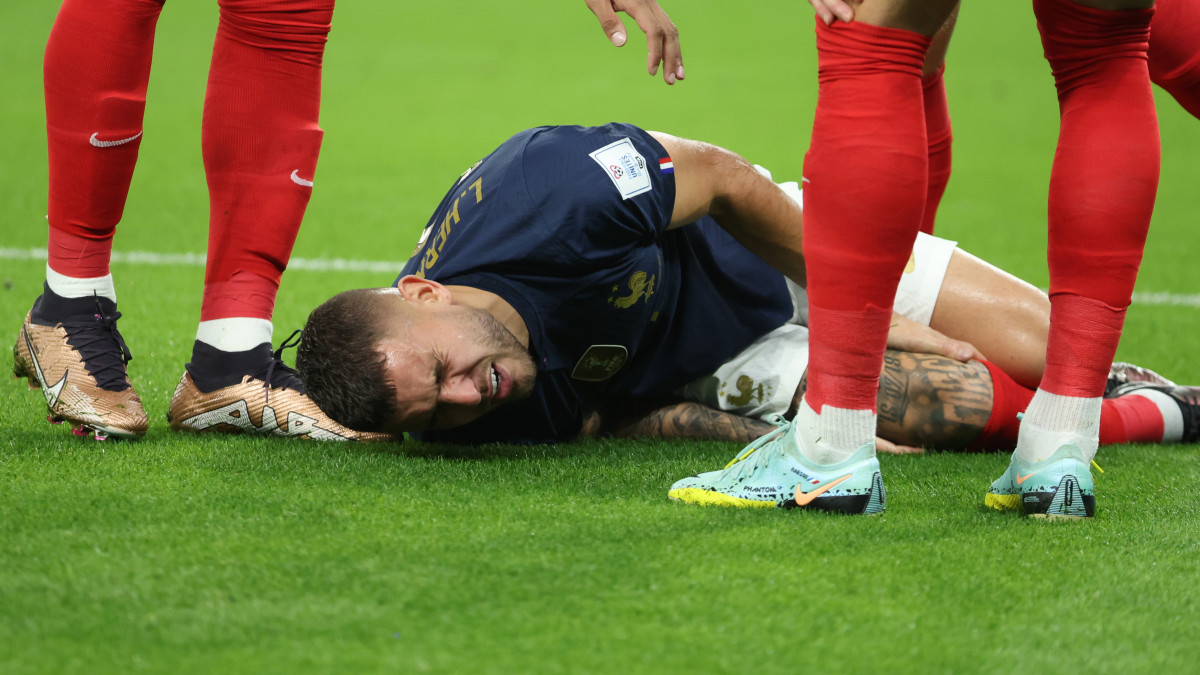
x=450, y=364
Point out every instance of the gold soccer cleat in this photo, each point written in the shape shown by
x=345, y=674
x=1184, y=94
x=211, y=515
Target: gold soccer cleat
x=79, y=364
x=253, y=407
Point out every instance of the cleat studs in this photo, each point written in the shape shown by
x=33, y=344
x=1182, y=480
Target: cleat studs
x=100, y=436
x=54, y=419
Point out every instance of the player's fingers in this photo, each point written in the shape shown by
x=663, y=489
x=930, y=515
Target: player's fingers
x=964, y=351
x=660, y=33
x=827, y=10
x=655, y=35
x=891, y=448
x=613, y=28
x=672, y=53
x=822, y=11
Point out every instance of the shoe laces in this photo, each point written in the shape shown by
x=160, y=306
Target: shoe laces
x=781, y=424
x=101, y=347
x=279, y=374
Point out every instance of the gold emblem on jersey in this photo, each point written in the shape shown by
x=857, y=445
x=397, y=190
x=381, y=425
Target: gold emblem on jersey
x=641, y=287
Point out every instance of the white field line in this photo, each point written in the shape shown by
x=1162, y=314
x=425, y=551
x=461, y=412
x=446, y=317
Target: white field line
x=393, y=267
x=197, y=260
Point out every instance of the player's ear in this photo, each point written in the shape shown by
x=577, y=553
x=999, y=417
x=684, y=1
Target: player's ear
x=415, y=289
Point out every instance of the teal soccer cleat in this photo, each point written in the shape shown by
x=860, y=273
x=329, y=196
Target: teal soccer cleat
x=1059, y=487
x=771, y=472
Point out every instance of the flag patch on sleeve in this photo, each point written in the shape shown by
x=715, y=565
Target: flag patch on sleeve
x=665, y=165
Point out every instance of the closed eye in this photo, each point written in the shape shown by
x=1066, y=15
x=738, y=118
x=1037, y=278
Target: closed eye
x=439, y=373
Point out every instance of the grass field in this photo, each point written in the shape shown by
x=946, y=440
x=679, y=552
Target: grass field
x=183, y=554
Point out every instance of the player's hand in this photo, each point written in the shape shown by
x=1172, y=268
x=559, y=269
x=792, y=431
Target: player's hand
x=828, y=10
x=662, y=38
x=907, y=335
x=894, y=449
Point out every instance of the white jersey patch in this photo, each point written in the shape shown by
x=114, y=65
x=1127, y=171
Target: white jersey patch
x=624, y=166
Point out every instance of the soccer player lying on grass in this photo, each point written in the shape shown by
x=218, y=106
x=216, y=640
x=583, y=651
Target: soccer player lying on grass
x=578, y=280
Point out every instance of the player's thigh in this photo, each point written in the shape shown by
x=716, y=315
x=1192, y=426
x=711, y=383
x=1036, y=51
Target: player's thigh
x=1004, y=317
x=920, y=16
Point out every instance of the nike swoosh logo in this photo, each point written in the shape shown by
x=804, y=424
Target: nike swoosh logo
x=298, y=180
x=1022, y=479
x=95, y=140
x=53, y=392
x=803, y=498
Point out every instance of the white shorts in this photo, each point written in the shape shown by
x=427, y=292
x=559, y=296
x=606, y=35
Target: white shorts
x=762, y=379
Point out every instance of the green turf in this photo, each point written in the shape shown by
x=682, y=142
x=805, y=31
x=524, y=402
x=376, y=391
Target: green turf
x=183, y=554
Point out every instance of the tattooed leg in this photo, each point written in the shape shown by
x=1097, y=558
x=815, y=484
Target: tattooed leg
x=929, y=401
x=932, y=401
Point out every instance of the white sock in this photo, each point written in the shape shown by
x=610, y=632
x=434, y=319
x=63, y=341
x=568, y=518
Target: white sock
x=834, y=434
x=1052, y=421
x=234, y=335
x=1171, y=414
x=73, y=287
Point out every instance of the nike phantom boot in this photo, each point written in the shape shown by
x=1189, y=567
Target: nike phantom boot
x=252, y=392
x=71, y=349
x=1056, y=488
x=771, y=472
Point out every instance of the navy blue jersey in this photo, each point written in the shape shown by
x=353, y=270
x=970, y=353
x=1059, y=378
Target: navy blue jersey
x=569, y=226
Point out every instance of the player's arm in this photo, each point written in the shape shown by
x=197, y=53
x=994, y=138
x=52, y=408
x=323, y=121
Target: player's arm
x=677, y=420
x=716, y=182
x=713, y=181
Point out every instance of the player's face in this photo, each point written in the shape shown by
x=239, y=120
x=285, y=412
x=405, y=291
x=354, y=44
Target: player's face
x=451, y=364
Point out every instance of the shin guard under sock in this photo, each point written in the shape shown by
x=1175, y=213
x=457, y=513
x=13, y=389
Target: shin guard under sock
x=260, y=143
x=1102, y=186
x=866, y=174
x=97, y=67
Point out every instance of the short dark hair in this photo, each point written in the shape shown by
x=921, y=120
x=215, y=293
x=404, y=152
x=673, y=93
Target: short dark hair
x=339, y=363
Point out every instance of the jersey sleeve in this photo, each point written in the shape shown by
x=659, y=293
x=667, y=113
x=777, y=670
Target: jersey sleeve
x=599, y=188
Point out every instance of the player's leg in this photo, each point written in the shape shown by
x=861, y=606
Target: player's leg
x=937, y=120
x=1175, y=51
x=1102, y=191
x=1005, y=317
x=932, y=401
x=866, y=183
x=97, y=67
x=260, y=143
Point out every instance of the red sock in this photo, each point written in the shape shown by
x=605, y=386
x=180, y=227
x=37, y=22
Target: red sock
x=1102, y=185
x=1175, y=51
x=1130, y=419
x=937, y=130
x=866, y=173
x=260, y=141
x=1126, y=419
x=96, y=70
x=1008, y=399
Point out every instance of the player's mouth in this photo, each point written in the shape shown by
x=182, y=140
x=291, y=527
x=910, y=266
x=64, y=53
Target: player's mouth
x=501, y=383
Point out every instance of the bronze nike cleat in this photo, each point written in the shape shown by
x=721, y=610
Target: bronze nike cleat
x=79, y=365
x=254, y=408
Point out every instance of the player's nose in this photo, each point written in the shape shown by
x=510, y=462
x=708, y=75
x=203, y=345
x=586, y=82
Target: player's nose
x=460, y=391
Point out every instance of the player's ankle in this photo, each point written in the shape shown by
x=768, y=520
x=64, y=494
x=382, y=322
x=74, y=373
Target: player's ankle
x=212, y=369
